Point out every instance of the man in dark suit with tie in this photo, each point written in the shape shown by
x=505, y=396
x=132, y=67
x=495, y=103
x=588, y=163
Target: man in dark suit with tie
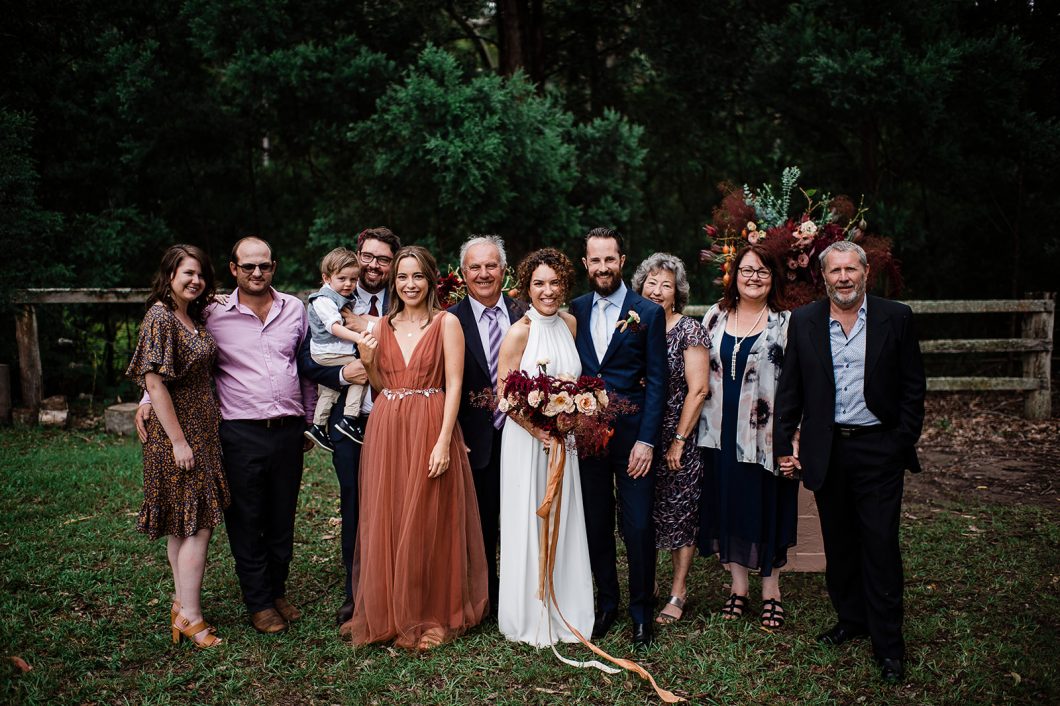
x=622, y=339
x=853, y=385
x=376, y=248
x=485, y=315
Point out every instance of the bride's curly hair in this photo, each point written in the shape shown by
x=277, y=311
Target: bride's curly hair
x=559, y=262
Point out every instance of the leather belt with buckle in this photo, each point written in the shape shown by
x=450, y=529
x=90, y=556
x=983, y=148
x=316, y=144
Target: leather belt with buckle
x=849, y=432
x=275, y=422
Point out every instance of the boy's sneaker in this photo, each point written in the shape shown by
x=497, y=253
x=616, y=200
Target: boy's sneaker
x=352, y=427
x=319, y=436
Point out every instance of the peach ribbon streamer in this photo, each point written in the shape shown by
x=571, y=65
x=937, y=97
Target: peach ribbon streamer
x=549, y=510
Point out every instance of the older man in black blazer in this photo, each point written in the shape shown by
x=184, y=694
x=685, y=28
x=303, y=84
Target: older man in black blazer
x=853, y=385
x=485, y=315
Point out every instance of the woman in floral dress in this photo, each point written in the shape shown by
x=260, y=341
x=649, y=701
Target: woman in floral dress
x=677, y=463
x=185, y=489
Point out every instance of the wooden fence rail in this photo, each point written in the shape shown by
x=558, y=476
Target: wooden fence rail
x=1035, y=344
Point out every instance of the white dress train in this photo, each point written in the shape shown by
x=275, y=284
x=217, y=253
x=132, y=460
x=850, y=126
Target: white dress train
x=521, y=615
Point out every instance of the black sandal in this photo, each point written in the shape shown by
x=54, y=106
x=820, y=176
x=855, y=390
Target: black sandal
x=772, y=612
x=735, y=607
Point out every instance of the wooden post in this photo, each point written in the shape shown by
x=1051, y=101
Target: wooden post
x=1039, y=325
x=29, y=357
x=5, y=393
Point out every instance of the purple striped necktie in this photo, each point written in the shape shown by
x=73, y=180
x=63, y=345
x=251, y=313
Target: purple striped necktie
x=491, y=314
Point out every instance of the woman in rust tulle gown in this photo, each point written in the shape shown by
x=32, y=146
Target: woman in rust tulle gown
x=419, y=568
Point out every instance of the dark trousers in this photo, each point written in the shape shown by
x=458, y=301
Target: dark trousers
x=264, y=469
x=347, y=462
x=860, y=504
x=488, y=492
x=600, y=478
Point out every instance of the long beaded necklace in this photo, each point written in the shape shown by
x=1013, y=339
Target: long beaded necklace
x=741, y=339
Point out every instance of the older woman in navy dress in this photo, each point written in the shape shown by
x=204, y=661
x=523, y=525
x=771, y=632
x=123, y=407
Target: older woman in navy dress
x=677, y=463
x=748, y=512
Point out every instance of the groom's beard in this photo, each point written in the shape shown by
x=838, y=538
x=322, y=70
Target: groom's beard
x=607, y=287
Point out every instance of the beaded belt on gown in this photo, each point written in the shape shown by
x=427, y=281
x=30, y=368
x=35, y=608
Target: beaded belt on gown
x=403, y=392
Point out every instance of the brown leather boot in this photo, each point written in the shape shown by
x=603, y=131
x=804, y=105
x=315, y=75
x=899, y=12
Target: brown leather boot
x=268, y=621
x=288, y=611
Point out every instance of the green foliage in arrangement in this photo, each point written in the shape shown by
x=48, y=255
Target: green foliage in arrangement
x=85, y=601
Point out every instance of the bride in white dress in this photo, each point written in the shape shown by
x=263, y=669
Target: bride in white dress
x=544, y=333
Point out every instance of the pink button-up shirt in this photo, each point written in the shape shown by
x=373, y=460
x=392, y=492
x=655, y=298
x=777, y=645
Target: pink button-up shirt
x=257, y=363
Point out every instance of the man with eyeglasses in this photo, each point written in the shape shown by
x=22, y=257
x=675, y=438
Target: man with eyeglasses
x=265, y=407
x=376, y=248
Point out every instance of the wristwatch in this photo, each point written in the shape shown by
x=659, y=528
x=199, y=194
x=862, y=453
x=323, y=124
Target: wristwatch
x=679, y=437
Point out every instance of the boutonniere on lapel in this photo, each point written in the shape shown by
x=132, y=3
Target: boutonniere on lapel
x=632, y=322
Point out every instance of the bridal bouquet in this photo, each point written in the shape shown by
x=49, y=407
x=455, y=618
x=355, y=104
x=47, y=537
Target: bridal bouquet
x=564, y=406
x=795, y=234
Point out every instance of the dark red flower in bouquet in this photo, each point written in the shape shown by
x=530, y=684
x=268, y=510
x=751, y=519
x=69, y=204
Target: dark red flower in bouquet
x=577, y=410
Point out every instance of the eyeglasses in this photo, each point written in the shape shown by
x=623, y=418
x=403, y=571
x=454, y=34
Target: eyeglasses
x=749, y=272
x=368, y=258
x=249, y=267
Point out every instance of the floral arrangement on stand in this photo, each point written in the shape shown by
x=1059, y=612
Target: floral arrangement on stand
x=763, y=216
x=452, y=287
x=577, y=410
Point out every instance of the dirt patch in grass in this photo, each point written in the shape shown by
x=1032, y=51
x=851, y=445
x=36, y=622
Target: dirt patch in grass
x=980, y=446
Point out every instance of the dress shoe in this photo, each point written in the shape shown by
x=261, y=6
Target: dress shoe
x=892, y=670
x=604, y=620
x=268, y=621
x=343, y=614
x=643, y=636
x=840, y=634
x=288, y=611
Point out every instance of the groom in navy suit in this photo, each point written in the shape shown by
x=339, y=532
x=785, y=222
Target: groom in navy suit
x=376, y=248
x=622, y=339
x=485, y=315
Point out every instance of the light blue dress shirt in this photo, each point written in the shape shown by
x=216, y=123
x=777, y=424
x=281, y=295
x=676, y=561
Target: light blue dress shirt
x=848, y=363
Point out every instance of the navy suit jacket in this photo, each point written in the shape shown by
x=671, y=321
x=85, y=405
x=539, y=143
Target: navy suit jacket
x=634, y=366
x=476, y=423
x=894, y=386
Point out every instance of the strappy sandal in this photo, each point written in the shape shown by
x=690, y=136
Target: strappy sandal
x=190, y=631
x=736, y=606
x=174, y=611
x=430, y=639
x=772, y=612
x=666, y=618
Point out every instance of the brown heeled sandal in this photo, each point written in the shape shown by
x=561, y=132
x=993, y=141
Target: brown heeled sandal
x=174, y=611
x=184, y=626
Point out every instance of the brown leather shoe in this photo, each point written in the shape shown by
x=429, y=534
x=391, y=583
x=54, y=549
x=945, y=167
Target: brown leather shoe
x=268, y=621
x=288, y=611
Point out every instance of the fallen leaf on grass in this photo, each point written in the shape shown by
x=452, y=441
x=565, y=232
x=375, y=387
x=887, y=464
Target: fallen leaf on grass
x=328, y=537
x=982, y=487
x=548, y=691
x=153, y=601
x=1015, y=677
x=78, y=519
x=20, y=664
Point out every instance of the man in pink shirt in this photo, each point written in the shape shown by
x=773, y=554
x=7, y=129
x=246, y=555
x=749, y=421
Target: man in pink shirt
x=265, y=407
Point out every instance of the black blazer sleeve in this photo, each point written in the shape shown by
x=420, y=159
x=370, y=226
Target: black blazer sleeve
x=788, y=407
x=320, y=374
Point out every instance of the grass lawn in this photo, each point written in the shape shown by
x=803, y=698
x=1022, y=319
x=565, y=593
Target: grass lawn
x=84, y=601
